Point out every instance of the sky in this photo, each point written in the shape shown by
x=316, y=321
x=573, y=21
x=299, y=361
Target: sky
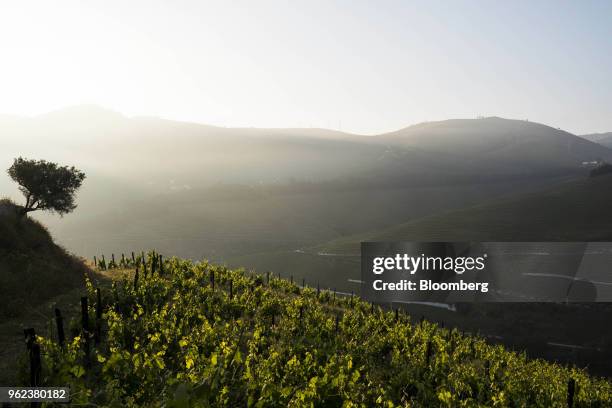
x=362, y=67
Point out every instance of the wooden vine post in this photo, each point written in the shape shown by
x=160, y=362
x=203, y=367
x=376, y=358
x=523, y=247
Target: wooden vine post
x=571, y=390
x=98, y=330
x=85, y=325
x=59, y=322
x=34, y=354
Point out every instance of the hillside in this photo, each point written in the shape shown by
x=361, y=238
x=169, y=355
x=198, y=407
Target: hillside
x=604, y=139
x=226, y=221
x=574, y=210
x=571, y=211
x=201, y=335
x=499, y=144
x=33, y=268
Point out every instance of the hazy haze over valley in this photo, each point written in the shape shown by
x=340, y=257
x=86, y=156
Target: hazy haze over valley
x=226, y=193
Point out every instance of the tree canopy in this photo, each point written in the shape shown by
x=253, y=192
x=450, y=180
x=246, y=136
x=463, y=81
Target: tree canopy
x=46, y=185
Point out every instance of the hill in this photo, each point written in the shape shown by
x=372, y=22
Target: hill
x=604, y=139
x=150, y=152
x=498, y=144
x=201, y=335
x=33, y=268
x=161, y=155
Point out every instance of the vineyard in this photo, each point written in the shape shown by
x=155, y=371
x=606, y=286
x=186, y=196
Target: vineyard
x=182, y=334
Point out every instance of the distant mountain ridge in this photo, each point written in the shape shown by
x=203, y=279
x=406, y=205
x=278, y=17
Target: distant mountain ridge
x=111, y=142
x=604, y=139
x=152, y=155
x=97, y=112
x=498, y=139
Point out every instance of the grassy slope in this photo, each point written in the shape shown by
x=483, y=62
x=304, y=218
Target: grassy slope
x=32, y=267
x=572, y=211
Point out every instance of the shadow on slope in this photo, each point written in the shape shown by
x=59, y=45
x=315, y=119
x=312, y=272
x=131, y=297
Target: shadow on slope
x=33, y=268
x=572, y=211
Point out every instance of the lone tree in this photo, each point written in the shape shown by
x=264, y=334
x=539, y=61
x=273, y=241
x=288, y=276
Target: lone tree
x=45, y=185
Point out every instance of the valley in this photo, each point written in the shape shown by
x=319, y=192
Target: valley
x=297, y=202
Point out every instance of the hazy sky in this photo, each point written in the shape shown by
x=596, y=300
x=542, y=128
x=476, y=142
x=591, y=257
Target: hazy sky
x=360, y=66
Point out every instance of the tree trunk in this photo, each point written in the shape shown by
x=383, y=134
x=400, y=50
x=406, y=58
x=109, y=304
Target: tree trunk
x=23, y=211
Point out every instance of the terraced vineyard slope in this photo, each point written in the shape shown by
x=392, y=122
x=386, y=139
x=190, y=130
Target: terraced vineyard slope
x=183, y=334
